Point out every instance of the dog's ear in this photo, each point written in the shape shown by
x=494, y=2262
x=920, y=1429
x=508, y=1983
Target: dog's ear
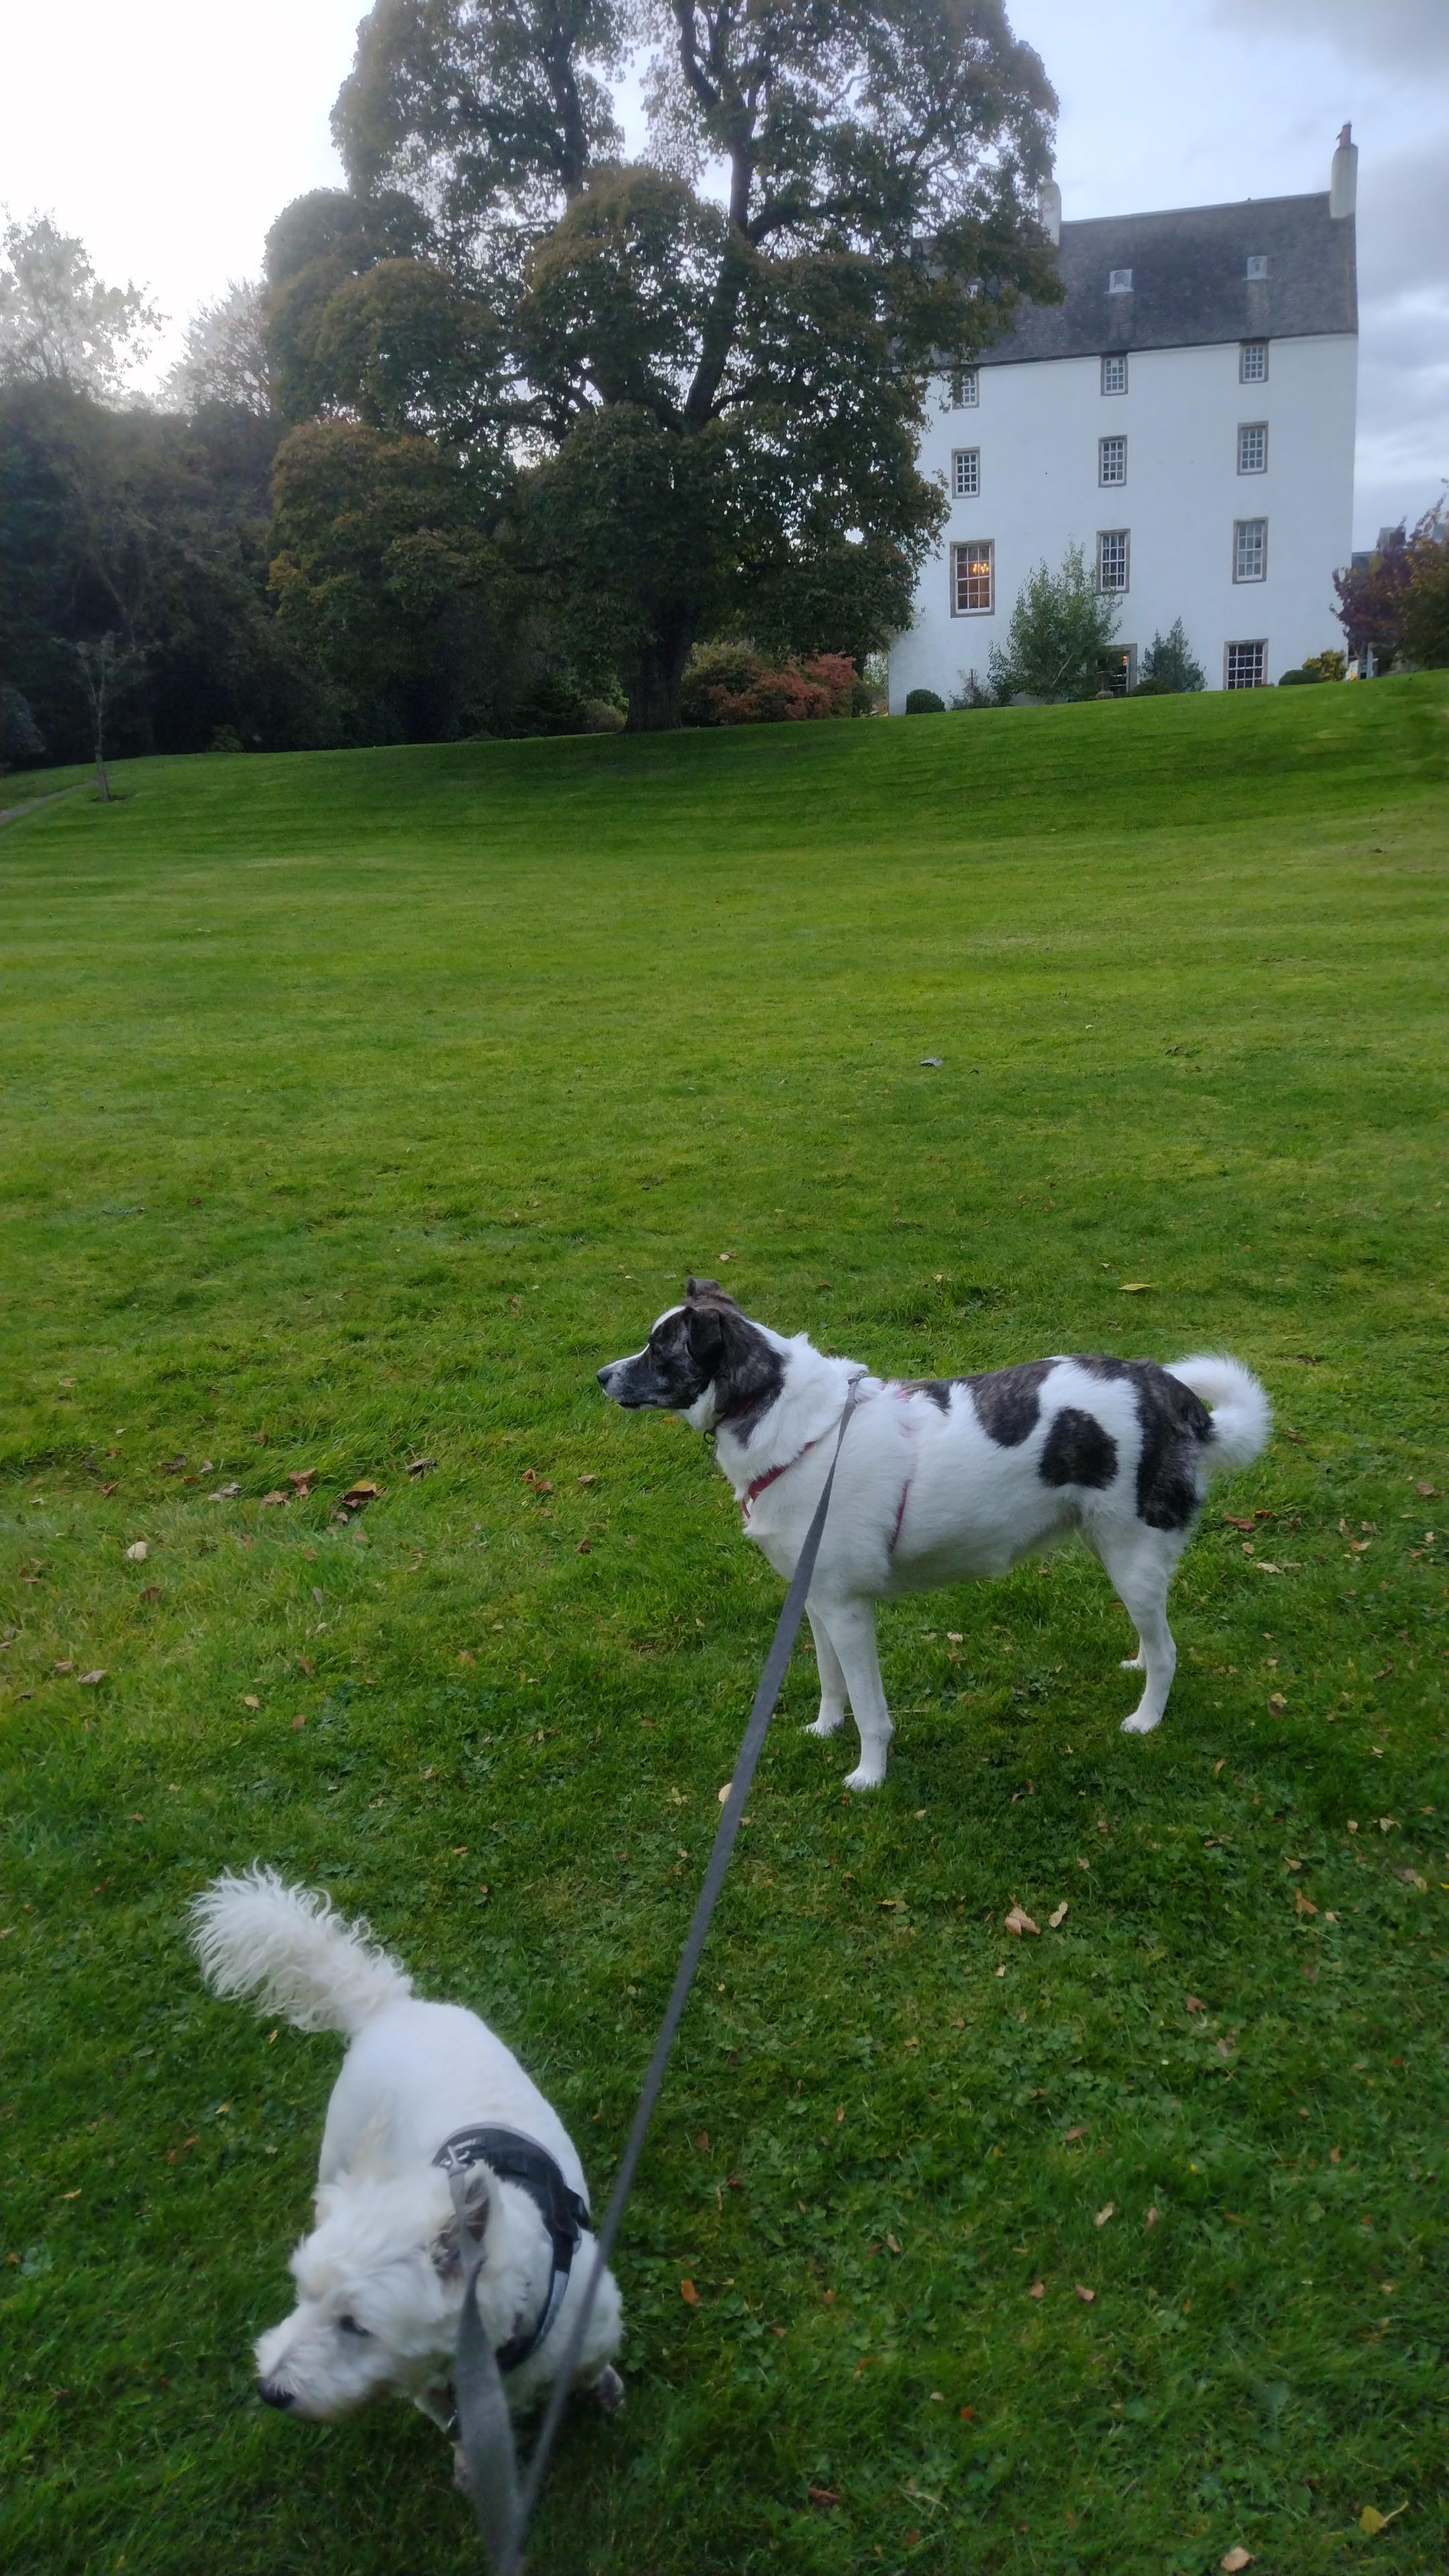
x=710, y=1288
x=477, y=2210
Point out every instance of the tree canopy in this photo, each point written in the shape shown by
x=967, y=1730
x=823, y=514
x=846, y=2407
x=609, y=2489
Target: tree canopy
x=703, y=400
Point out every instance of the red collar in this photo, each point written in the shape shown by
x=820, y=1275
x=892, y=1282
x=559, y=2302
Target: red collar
x=770, y=1474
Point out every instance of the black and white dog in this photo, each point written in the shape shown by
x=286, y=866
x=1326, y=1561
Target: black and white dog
x=945, y=1479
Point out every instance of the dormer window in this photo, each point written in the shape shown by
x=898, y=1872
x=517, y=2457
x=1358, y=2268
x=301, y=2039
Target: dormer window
x=1257, y=264
x=1119, y=281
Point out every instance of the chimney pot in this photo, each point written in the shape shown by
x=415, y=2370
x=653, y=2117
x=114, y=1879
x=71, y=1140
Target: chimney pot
x=1049, y=209
x=1343, y=177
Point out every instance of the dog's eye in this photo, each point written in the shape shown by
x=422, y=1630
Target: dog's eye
x=349, y=2325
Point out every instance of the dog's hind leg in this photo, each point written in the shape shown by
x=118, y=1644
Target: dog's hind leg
x=851, y=1626
x=832, y=1680
x=1141, y=1563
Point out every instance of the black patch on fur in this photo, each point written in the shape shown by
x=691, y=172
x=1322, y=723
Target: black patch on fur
x=1008, y=1401
x=1078, y=1451
x=1175, y=1426
x=937, y=1390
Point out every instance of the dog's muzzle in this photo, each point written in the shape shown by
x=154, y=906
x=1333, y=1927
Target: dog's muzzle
x=272, y=2393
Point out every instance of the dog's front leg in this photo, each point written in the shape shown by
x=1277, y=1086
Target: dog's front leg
x=832, y=1680
x=851, y=1626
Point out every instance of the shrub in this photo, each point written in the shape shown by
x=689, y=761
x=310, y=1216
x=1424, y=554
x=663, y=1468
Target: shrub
x=1060, y=627
x=1330, y=665
x=971, y=694
x=1424, y=634
x=924, y=702
x=20, y=735
x=1300, y=679
x=1169, y=668
x=732, y=683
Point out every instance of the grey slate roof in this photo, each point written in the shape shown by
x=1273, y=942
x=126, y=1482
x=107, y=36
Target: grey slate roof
x=1190, y=284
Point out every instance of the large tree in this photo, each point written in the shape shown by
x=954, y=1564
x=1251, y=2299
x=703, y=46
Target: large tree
x=59, y=323
x=706, y=374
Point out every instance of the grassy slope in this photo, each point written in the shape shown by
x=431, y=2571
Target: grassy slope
x=356, y=1106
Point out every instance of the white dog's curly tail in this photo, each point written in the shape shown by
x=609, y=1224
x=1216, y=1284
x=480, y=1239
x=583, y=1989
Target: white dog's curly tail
x=1241, y=1410
x=256, y=1935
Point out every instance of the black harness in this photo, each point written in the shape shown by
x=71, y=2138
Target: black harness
x=518, y=2159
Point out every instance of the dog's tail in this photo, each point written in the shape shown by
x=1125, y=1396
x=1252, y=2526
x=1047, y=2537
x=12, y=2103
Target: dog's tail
x=256, y=1935
x=1241, y=1411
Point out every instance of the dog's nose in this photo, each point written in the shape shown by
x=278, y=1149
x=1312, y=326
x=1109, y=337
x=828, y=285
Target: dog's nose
x=603, y=1373
x=272, y=2393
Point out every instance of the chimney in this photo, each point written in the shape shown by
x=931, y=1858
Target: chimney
x=1343, y=178
x=1049, y=209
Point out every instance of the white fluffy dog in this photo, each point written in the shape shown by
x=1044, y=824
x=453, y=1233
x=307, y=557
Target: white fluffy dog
x=423, y=2088
x=944, y=1479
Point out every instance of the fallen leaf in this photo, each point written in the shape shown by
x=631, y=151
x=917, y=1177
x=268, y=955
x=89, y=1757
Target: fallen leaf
x=1195, y=2004
x=1303, y=1904
x=1277, y=1703
x=268, y=1500
x=137, y=1552
x=306, y=1665
x=893, y=2242
x=702, y=2142
x=1371, y=2520
x=1019, y=1921
x=1151, y=2218
x=1037, y=2290
x=689, y=2294
x=1109, y=2210
x=72, y=2195
x=585, y=1547
x=89, y=1679
x=303, y=1478
x=824, y=2497
x=1234, y=2560
x=933, y=1059
x=586, y=1480
x=466, y=1656
x=1080, y=2131
x=298, y=1722
x=1225, y=2048
x=357, y=1498
x=1087, y=2297
x=1411, y=1878
x=223, y=1494
x=149, y=1592
x=724, y=1793
x=1136, y=1287
x=249, y=1700
x=1429, y=1492
x=68, y=1667
x=421, y=1466
x=1055, y=1921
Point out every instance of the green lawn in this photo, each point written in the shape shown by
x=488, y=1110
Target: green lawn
x=356, y=1107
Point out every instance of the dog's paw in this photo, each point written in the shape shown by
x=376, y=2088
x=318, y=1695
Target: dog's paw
x=607, y=2392
x=864, y=1777
x=825, y=1724
x=1138, y=1724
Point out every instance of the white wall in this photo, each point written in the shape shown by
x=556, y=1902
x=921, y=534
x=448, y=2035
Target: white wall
x=1037, y=426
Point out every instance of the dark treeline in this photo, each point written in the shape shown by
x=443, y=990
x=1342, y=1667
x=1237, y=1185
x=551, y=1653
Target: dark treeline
x=515, y=424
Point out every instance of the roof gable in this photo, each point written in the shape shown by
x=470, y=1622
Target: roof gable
x=1190, y=282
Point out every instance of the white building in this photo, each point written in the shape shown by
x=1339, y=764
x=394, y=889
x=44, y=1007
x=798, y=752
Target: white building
x=1186, y=416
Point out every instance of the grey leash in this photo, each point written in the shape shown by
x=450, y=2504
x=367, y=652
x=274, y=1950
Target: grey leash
x=484, y=2431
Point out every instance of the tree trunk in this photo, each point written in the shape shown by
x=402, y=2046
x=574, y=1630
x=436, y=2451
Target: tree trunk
x=654, y=683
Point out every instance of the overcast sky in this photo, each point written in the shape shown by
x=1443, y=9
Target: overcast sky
x=169, y=134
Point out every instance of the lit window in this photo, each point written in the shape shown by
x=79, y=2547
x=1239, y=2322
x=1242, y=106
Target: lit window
x=1112, y=548
x=1114, y=375
x=1253, y=362
x=1247, y=666
x=1250, y=549
x=973, y=579
x=1257, y=264
x=966, y=473
x=1253, y=447
x=1119, y=281
x=965, y=393
x=1111, y=460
